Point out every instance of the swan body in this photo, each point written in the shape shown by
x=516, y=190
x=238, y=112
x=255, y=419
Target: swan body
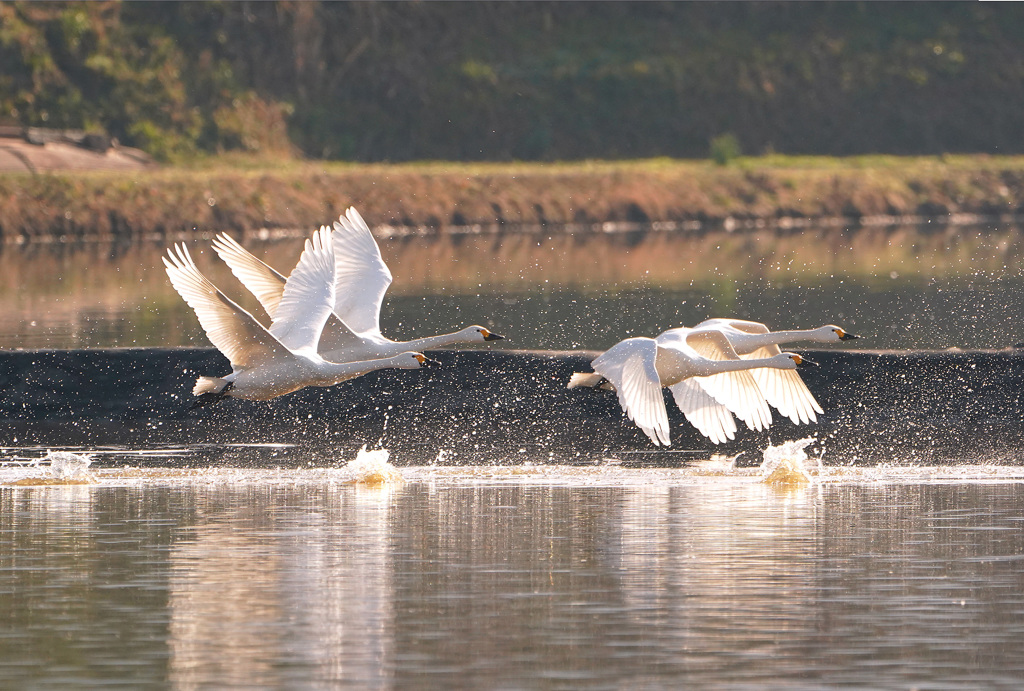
x=352, y=331
x=267, y=363
x=638, y=368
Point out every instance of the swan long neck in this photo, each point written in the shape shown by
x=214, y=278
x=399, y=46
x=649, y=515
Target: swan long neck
x=335, y=372
x=755, y=341
x=711, y=367
x=429, y=342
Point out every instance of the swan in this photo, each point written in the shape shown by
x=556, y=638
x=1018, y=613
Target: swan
x=783, y=389
x=352, y=332
x=638, y=368
x=269, y=363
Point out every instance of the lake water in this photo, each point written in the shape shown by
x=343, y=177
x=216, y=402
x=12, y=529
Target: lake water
x=527, y=577
x=326, y=575
x=902, y=287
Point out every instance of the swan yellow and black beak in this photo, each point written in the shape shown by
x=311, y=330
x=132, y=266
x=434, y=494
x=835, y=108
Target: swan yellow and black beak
x=845, y=335
x=491, y=336
x=801, y=361
x=426, y=362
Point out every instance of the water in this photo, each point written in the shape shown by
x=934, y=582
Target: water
x=514, y=577
x=903, y=287
x=351, y=573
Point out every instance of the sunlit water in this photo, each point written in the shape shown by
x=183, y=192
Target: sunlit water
x=919, y=287
x=363, y=575
x=146, y=568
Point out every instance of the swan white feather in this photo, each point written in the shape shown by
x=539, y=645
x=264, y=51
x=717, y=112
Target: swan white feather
x=263, y=366
x=783, y=389
x=361, y=277
x=638, y=368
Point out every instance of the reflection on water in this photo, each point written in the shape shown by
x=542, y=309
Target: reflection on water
x=520, y=577
x=905, y=287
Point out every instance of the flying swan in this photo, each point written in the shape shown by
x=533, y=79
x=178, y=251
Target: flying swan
x=269, y=363
x=783, y=389
x=706, y=390
x=352, y=331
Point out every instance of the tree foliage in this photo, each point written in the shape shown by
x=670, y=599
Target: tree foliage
x=525, y=80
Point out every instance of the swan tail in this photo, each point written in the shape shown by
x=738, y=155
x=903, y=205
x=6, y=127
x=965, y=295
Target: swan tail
x=208, y=385
x=589, y=379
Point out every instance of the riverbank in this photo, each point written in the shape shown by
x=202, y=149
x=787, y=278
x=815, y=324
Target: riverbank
x=268, y=197
x=504, y=407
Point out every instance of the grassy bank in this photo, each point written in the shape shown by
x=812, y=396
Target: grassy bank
x=245, y=196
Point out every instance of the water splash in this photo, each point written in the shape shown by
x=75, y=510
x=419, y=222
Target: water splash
x=786, y=464
x=55, y=468
x=372, y=468
x=65, y=465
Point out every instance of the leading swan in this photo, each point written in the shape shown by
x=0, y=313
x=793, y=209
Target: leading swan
x=638, y=368
x=783, y=389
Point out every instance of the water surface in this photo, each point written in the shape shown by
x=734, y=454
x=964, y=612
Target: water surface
x=527, y=576
x=904, y=287
x=523, y=577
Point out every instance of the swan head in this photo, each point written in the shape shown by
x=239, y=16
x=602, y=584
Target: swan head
x=479, y=333
x=799, y=360
x=414, y=360
x=833, y=332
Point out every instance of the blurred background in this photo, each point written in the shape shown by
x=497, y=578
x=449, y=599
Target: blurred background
x=568, y=173
x=487, y=81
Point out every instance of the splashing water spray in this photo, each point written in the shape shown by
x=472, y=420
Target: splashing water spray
x=373, y=467
x=786, y=464
x=383, y=430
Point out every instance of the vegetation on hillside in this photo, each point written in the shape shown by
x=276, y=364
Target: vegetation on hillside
x=383, y=81
x=696, y=195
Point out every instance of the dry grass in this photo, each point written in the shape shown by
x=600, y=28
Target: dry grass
x=244, y=195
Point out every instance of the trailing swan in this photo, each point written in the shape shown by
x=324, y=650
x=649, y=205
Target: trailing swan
x=352, y=332
x=269, y=363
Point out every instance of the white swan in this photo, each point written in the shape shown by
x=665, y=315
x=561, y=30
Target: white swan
x=361, y=279
x=638, y=368
x=269, y=363
x=783, y=389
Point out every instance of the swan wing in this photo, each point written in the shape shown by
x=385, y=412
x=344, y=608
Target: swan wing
x=710, y=343
x=337, y=340
x=630, y=367
x=361, y=276
x=784, y=389
x=738, y=324
x=234, y=332
x=261, y=280
x=308, y=296
x=708, y=416
x=737, y=391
